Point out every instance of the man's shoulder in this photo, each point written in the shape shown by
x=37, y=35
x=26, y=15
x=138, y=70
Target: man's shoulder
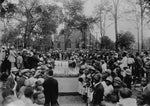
x=50, y=79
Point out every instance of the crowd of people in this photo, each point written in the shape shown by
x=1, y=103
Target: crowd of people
x=105, y=77
x=27, y=78
x=111, y=78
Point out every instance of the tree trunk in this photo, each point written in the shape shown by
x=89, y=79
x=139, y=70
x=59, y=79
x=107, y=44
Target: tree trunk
x=142, y=12
x=116, y=32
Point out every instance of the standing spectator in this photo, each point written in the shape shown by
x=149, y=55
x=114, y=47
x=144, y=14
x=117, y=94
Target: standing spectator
x=12, y=57
x=50, y=90
x=98, y=91
x=146, y=95
x=2, y=55
x=104, y=66
x=138, y=68
x=128, y=78
x=19, y=61
x=147, y=68
x=39, y=99
x=125, y=98
x=124, y=61
x=10, y=83
x=107, y=84
x=28, y=95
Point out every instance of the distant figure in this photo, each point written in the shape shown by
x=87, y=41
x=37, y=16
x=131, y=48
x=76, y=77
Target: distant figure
x=12, y=57
x=19, y=61
x=50, y=90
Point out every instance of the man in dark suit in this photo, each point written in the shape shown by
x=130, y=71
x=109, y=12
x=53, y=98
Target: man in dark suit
x=98, y=91
x=50, y=90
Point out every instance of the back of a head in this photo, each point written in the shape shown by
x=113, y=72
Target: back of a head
x=146, y=94
x=28, y=92
x=7, y=92
x=137, y=54
x=125, y=93
x=50, y=72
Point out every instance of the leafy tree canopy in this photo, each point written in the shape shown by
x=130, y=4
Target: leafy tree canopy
x=125, y=40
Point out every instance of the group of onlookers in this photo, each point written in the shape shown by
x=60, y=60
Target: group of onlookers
x=115, y=79
x=105, y=77
x=27, y=78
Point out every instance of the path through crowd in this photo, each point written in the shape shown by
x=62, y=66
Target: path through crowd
x=63, y=100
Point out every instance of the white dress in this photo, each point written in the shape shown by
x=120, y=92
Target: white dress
x=12, y=56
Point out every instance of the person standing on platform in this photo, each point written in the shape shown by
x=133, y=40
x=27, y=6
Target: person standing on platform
x=50, y=86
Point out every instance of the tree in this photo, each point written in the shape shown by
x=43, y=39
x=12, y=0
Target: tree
x=115, y=16
x=134, y=16
x=9, y=37
x=125, y=40
x=36, y=21
x=74, y=19
x=107, y=43
x=102, y=11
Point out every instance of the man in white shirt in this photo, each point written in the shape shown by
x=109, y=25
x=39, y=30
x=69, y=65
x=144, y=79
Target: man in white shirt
x=104, y=66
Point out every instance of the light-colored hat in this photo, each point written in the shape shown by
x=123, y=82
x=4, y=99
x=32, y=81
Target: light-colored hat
x=109, y=79
x=128, y=72
x=117, y=80
x=25, y=71
x=14, y=69
x=83, y=67
x=91, y=67
x=108, y=71
x=32, y=70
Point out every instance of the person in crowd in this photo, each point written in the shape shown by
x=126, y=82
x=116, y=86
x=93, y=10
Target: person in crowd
x=28, y=95
x=147, y=68
x=50, y=86
x=39, y=99
x=131, y=61
x=110, y=100
x=124, y=61
x=104, y=66
x=98, y=92
x=11, y=82
x=128, y=78
x=19, y=61
x=146, y=95
x=107, y=84
x=138, y=68
x=125, y=98
x=2, y=54
x=12, y=56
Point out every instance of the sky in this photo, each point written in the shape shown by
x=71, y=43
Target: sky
x=123, y=24
x=89, y=9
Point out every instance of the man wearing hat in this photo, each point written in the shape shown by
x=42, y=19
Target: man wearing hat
x=107, y=84
x=10, y=83
x=22, y=79
x=98, y=90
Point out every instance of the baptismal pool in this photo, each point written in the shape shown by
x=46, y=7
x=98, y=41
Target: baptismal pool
x=62, y=69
